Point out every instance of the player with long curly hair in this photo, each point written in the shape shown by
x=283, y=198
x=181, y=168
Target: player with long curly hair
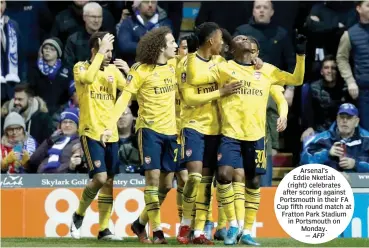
x=153, y=80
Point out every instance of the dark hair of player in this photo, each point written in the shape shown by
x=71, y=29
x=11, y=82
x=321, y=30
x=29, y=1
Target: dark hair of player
x=205, y=31
x=227, y=37
x=150, y=45
x=182, y=38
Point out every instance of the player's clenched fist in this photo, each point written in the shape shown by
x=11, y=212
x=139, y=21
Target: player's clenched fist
x=230, y=88
x=105, y=43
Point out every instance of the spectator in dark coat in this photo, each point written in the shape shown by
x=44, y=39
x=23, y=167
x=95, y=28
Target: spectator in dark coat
x=13, y=64
x=61, y=153
x=33, y=110
x=129, y=159
x=353, y=61
x=326, y=23
x=35, y=22
x=323, y=99
x=275, y=45
x=70, y=21
x=146, y=17
x=77, y=47
x=344, y=147
x=49, y=79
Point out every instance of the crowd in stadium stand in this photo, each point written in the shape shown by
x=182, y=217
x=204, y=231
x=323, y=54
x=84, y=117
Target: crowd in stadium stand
x=42, y=40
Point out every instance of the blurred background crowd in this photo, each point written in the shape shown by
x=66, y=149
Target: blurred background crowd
x=42, y=40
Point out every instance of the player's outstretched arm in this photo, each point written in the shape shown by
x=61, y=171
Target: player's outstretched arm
x=277, y=94
x=297, y=78
x=192, y=98
x=119, y=107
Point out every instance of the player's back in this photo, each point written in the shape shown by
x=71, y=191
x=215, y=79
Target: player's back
x=96, y=99
x=155, y=87
x=203, y=118
x=244, y=113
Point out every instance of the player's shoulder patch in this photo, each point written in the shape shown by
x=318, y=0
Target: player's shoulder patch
x=183, y=77
x=129, y=79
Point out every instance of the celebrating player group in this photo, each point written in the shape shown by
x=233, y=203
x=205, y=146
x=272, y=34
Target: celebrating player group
x=201, y=118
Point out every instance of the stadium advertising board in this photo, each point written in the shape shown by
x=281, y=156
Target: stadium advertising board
x=42, y=206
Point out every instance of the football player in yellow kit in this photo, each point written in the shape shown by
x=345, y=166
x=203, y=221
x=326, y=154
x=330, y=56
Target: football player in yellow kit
x=154, y=82
x=243, y=123
x=200, y=133
x=180, y=172
x=97, y=82
x=238, y=180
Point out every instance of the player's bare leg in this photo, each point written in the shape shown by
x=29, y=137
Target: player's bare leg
x=194, y=169
x=252, y=200
x=226, y=196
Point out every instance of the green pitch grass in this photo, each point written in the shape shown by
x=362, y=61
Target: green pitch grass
x=132, y=242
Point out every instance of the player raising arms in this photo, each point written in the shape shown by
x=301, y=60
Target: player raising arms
x=243, y=124
x=238, y=180
x=97, y=82
x=153, y=80
x=200, y=132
